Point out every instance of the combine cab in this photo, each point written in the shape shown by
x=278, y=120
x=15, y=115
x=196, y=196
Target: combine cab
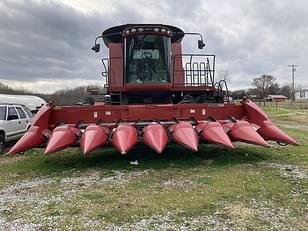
x=155, y=94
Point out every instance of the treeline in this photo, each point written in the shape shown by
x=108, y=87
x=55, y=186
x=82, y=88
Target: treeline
x=61, y=97
x=5, y=89
x=262, y=87
x=68, y=96
x=253, y=92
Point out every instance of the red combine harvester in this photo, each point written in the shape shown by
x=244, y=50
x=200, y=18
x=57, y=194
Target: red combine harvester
x=155, y=93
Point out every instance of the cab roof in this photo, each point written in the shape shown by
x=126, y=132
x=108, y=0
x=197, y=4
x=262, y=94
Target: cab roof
x=114, y=34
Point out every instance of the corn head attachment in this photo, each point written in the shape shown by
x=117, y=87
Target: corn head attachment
x=155, y=95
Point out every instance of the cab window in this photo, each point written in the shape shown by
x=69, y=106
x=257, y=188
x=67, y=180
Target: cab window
x=21, y=113
x=147, y=59
x=12, y=114
x=2, y=112
x=27, y=110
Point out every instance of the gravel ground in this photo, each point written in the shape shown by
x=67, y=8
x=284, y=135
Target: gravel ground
x=231, y=217
x=253, y=215
x=31, y=192
x=289, y=170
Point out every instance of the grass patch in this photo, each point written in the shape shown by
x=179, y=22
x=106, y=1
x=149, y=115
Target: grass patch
x=248, y=187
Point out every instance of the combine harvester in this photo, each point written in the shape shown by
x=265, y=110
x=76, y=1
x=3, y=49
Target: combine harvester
x=155, y=93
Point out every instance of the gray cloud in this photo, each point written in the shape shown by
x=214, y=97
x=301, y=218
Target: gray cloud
x=51, y=40
x=46, y=40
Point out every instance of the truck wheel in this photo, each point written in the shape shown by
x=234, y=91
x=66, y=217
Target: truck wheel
x=2, y=143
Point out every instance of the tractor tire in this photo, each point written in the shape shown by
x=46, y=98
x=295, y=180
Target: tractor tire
x=2, y=143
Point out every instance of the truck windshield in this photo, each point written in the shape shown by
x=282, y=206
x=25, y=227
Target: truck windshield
x=147, y=59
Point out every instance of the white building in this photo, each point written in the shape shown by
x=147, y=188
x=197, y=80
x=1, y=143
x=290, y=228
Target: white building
x=31, y=101
x=302, y=94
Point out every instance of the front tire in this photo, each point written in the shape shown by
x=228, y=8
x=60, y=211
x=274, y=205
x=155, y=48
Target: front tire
x=2, y=143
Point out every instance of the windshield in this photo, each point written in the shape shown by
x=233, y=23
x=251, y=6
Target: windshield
x=2, y=112
x=147, y=59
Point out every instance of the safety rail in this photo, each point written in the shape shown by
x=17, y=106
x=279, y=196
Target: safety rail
x=188, y=70
x=220, y=85
x=198, y=69
x=105, y=62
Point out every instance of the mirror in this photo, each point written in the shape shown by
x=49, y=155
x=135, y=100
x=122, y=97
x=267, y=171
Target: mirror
x=96, y=47
x=201, y=44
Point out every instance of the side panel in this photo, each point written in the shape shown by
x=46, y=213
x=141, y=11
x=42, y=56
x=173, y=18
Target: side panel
x=177, y=67
x=115, y=65
x=130, y=113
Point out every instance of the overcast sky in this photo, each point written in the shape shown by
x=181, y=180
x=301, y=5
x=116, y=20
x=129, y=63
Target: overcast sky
x=45, y=45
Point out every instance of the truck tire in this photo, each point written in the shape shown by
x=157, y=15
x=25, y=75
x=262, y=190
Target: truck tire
x=2, y=143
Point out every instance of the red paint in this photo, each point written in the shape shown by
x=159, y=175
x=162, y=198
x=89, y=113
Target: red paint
x=93, y=137
x=266, y=127
x=243, y=131
x=124, y=137
x=183, y=133
x=35, y=135
x=41, y=119
x=271, y=132
x=131, y=113
x=115, y=78
x=255, y=113
x=61, y=138
x=31, y=139
x=176, y=64
x=155, y=136
x=214, y=133
x=48, y=117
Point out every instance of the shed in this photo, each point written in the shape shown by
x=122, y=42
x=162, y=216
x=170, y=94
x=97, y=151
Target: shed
x=302, y=94
x=275, y=98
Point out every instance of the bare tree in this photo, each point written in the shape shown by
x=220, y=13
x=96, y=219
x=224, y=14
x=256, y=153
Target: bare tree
x=286, y=91
x=263, y=83
x=274, y=89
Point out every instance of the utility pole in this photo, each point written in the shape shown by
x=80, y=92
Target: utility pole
x=293, y=66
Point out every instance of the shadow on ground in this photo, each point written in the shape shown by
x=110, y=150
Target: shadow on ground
x=107, y=158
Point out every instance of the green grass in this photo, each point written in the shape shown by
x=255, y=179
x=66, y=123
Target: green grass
x=103, y=191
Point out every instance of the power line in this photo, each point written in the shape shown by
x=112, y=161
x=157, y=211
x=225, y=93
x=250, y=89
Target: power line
x=293, y=66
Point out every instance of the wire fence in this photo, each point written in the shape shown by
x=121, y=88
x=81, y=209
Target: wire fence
x=285, y=104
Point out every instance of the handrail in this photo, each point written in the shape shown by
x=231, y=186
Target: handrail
x=106, y=68
x=226, y=86
x=196, y=73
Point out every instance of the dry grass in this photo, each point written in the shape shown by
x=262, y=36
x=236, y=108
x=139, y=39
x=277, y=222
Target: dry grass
x=249, y=188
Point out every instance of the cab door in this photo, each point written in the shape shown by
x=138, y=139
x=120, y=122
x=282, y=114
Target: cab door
x=24, y=120
x=14, y=126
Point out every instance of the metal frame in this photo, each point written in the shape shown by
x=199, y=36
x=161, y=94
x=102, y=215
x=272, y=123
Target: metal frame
x=195, y=71
x=196, y=74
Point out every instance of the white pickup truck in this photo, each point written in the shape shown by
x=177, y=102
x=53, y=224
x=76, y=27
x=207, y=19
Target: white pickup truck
x=15, y=120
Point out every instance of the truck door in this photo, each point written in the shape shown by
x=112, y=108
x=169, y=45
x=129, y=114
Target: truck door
x=24, y=120
x=14, y=127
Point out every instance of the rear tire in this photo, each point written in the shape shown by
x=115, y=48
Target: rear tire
x=2, y=143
